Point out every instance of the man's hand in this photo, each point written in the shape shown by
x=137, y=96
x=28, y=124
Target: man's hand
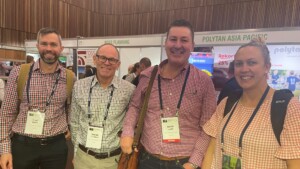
x=126, y=144
x=68, y=135
x=6, y=161
x=188, y=166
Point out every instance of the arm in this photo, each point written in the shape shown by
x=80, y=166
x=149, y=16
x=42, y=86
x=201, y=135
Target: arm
x=131, y=118
x=207, y=110
x=209, y=155
x=74, y=118
x=293, y=164
x=68, y=109
x=7, y=117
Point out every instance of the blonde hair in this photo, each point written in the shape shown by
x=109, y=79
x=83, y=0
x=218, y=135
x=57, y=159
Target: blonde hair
x=261, y=45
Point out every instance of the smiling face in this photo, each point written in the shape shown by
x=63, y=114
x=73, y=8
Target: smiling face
x=250, y=68
x=49, y=47
x=179, y=45
x=106, y=69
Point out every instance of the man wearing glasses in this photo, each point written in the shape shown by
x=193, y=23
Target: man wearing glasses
x=98, y=108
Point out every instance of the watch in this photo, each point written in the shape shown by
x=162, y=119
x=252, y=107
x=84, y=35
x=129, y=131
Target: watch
x=193, y=165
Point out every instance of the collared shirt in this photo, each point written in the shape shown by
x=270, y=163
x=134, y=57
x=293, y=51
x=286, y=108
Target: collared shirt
x=197, y=106
x=260, y=148
x=122, y=93
x=41, y=84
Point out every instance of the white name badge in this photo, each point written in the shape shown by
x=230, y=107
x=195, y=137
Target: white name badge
x=170, y=130
x=94, y=137
x=34, y=122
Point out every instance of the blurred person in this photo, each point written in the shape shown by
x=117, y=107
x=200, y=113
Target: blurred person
x=144, y=64
x=182, y=99
x=135, y=71
x=2, y=90
x=4, y=68
x=231, y=86
x=99, y=104
x=33, y=131
x=292, y=80
x=90, y=71
x=245, y=136
x=130, y=67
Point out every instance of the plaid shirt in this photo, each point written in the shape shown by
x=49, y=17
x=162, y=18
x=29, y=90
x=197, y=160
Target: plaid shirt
x=100, y=97
x=197, y=106
x=41, y=84
x=260, y=149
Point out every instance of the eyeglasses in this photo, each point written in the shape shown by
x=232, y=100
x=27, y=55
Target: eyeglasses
x=110, y=60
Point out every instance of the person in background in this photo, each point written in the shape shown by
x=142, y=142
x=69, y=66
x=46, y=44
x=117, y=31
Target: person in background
x=33, y=131
x=292, y=81
x=4, y=69
x=253, y=145
x=231, y=86
x=135, y=71
x=182, y=99
x=144, y=64
x=89, y=71
x=130, y=67
x=2, y=90
x=99, y=104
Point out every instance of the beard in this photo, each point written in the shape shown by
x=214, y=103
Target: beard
x=47, y=60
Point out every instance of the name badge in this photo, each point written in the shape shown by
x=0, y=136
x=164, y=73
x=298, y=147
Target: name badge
x=170, y=130
x=94, y=137
x=231, y=162
x=34, y=122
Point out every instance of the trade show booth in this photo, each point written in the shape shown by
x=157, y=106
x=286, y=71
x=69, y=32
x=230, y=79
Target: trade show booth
x=211, y=48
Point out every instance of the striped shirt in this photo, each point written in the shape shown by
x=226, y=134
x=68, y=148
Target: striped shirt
x=197, y=106
x=41, y=84
x=122, y=92
x=260, y=148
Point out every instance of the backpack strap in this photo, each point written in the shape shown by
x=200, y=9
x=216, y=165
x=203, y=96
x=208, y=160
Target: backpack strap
x=70, y=82
x=279, y=105
x=22, y=78
x=232, y=98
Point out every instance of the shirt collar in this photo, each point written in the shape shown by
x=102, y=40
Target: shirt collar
x=37, y=66
x=166, y=61
x=114, y=83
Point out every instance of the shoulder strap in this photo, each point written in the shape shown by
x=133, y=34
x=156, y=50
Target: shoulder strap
x=22, y=78
x=70, y=82
x=279, y=105
x=232, y=98
x=144, y=108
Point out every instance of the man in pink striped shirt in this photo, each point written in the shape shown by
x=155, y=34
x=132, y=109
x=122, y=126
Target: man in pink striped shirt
x=181, y=101
x=32, y=131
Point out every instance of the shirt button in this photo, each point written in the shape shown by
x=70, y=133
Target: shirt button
x=168, y=108
x=170, y=94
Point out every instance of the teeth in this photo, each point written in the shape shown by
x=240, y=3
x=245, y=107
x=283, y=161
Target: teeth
x=245, y=77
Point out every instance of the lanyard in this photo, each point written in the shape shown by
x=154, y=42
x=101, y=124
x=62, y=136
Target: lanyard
x=248, y=123
x=89, y=102
x=53, y=88
x=181, y=94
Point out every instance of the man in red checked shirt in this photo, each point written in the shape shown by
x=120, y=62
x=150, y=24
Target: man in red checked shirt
x=181, y=101
x=32, y=131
